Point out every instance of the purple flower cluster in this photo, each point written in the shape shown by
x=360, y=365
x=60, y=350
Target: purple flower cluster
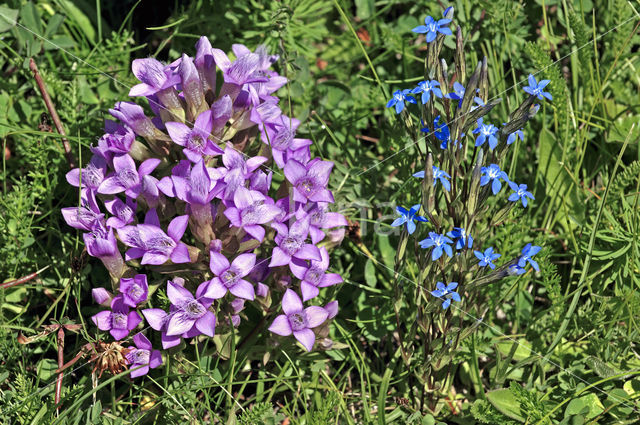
x=191, y=185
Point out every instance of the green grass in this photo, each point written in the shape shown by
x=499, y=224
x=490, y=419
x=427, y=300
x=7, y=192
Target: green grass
x=555, y=347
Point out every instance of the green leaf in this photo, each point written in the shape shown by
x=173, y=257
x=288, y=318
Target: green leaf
x=30, y=18
x=7, y=18
x=504, y=400
x=588, y=405
x=80, y=19
x=370, y=273
x=46, y=369
x=53, y=25
x=365, y=8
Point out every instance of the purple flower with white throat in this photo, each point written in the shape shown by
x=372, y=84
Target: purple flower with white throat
x=158, y=319
x=191, y=316
x=134, y=290
x=298, y=320
x=251, y=209
x=280, y=135
x=119, y=321
x=124, y=212
x=310, y=181
x=101, y=243
x=195, y=141
x=129, y=180
x=87, y=215
x=155, y=246
x=91, y=176
x=142, y=356
x=321, y=218
x=229, y=276
x=117, y=140
x=154, y=77
x=314, y=276
x=291, y=244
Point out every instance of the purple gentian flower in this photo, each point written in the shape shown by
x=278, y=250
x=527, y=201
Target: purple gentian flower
x=297, y=320
x=309, y=182
x=520, y=193
x=154, y=76
x=133, y=116
x=439, y=243
x=87, y=215
x=313, y=276
x=134, y=290
x=205, y=64
x=91, y=175
x=158, y=319
x=155, y=246
x=280, y=134
x=487, y=257
x=321, y=218
x=398, y=99
x=119, y=321
x=101, y=243
x=493, y=174
x=142, y=356
x=191, y=316
x=229, y=276
x=426, y=88
x=291, y=244
x=432, y=27
x=527, y=252
x=195, y=141
x=102, y=296
x=124, y=213
x=117, y=140
x=129, y=180
x=442, y=291
x=251, y=209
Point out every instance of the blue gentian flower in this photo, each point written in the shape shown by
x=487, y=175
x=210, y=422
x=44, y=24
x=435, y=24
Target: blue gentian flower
x=432, y=27
x=535, y=88
x=518, y=134
x=408, y=217
x=479, y=102
x=520, y=193
x=486, y=131
x=398, y=99
x=493, y=174
x=439, y=243
x=486, y=258
x=458, y=93
x=426, y=88
x=438, y=174
x=442, y=291
x=461, y=237
x=441, y=131
x=515, y=269
x=527, y=252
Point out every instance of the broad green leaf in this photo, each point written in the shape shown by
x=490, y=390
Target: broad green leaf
x=588, y=405
x=7, y=18
x=504, y=400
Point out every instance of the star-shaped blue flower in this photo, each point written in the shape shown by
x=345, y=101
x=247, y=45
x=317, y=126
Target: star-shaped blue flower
x=527, y=252
x=408, y=217
x=535, y=88
x=446, y=293
x=438, y=175
x=461, y=237
x=486, y=132
x=487, y=257
x=398, y=99
x=520, y=193
x=426, y=88
x=518, y=134
x=439, y=243
x=457, y=94
x=432, y=27
x=493, y=174
x=515, y=269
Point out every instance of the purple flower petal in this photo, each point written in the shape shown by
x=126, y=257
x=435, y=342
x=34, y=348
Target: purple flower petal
x=155, y=317
x=133, y=320
x=179, y=323
x=177, y=227
x=291, y=303
x=308, y=291
x=306, y=337
x=316, y=316
x=180, y=254
x=156, y=359
x=218, y=263
x=243, y=264
x=102, y=320
x=243, y=289
x=178, y=295
x=308, y=252
x=207, y=324
x=118, y=334
x=215, y=289
x=281, y=326
x=279, y=258
x=142, y=341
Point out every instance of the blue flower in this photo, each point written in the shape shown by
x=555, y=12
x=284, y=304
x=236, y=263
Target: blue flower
x=527, y=252
x=461, y=237
x=438, y=174
x=520, y=193
x=432, y=27
x=535, y=88
x=493, y=174
x=439, y=243
x=441, y=131
x=478, y=101
x=398, y=99
x=408, y=217
x=486, y=258
x=458, y=93
x=518, y=134
x=442, y=292
x=515, y=269
x=486, y=131
x=426, y=88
